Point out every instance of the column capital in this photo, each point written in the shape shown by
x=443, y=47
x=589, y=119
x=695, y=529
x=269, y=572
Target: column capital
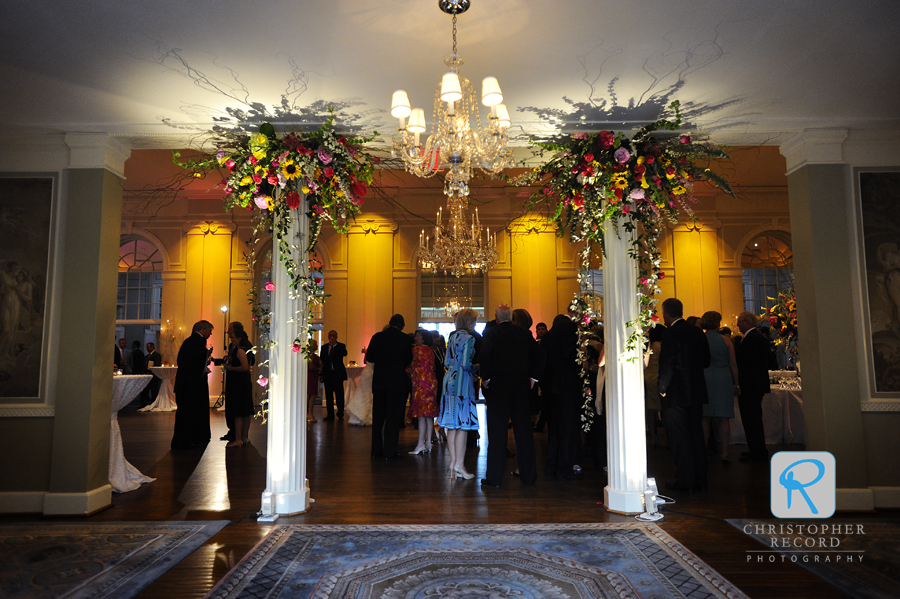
x=814, y=146
x=97, y=150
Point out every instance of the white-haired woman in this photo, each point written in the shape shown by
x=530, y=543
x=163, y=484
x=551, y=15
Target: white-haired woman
x=458, y=411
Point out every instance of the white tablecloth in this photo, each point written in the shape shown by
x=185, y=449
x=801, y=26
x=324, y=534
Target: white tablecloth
x=783, y=420
x=165, y=401
x=123, y=476
x=353, y=373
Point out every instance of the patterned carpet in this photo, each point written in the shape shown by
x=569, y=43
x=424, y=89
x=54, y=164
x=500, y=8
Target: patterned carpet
x=862, y=562
x=442, y=562
x=90, y=561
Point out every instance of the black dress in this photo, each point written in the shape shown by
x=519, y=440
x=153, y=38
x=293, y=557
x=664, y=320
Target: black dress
x=238, y=389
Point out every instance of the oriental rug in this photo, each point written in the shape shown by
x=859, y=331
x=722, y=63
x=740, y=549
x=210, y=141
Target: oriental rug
x=114, y=560
x=441, y=562
x=859, y=557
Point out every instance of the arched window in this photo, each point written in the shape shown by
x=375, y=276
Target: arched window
x=768, y=268
x=140, y=281
x=139, y=296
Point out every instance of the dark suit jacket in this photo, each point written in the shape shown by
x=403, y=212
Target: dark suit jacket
x=191, y=376
x=563, y=371
x=333, y=361
x=118, y=358
x=154, y=359
x=391, y=352
x=138, y=362
x=509, y=358
x=684, y=355
x=753, y=364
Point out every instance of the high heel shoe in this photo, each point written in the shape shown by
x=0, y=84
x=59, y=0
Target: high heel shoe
x=419, y=450
x=452, y=474
x=464, y=475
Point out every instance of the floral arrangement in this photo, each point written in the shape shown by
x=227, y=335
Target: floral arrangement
x=635, y=182
x=782, y=317
x=322, y=173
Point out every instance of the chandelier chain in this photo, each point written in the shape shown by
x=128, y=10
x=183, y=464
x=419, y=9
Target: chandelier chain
x=455, y=62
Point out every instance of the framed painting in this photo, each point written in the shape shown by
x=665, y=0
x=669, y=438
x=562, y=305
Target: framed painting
x=26, y=223
x=879, y=196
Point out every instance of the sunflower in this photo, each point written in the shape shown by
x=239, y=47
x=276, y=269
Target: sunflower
x=290, y=170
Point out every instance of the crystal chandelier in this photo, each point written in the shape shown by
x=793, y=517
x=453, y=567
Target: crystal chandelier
x=461, y=245
x=458, y=142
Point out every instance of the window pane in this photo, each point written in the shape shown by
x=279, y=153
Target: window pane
x=131, y=312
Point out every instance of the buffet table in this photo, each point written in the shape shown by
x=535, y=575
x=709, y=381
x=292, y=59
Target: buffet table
x=165, y=400
x=123, y=476
x=783, y=420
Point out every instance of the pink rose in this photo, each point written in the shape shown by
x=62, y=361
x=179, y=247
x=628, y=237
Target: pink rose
x=636, y=194
x=662, y=275
x=588, y=157
x=295, y=348
x=622, y=155
x=329, y=172
x=323, y=155
x=262, y=381
x=261, y=202
x=319, y=209
x=270, y=286
x=685, y=139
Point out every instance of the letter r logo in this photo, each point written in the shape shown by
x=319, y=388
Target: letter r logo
x=803, y=484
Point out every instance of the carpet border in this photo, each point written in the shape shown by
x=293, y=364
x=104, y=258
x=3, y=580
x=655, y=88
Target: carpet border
x=98, y=586
x=692, y=562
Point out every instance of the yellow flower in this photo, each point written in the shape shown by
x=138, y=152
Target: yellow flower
x=247, y=180
x=259, y=143
x=290, y=170
x=305, y=189
x=641, y=160
x=678, y=190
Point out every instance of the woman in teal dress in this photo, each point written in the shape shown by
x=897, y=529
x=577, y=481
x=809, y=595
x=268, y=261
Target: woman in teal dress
x=721, y=383
x=458, y=411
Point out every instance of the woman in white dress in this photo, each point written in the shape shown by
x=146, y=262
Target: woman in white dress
x=359, y=405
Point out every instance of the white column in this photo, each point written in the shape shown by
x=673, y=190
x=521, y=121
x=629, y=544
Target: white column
x=287, y=489
x=626, y=440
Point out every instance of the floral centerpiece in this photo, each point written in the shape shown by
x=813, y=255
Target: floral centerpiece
x=322, y=173
x=636, y=183
x=782, y=317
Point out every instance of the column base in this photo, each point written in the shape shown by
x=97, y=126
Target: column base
x=287, y=503
x=623, y=502
x=78, y=504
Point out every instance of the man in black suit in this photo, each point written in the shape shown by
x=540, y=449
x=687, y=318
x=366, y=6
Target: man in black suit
x=682, y=386
x=153, y=360
x=192, y=390
x=753, y=377
x=123, y=357
x=334, y=373
x=511, y=363
x=391, y=352
x=563, y=397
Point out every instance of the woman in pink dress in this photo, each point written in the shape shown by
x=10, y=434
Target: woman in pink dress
x=423, y=402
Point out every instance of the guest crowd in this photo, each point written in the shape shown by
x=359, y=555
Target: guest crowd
x=694, y=369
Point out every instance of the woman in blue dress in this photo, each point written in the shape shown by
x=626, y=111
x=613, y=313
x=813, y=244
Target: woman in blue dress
x=458, y=412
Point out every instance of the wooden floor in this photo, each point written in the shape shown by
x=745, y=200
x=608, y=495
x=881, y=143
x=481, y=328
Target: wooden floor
x=349, y=488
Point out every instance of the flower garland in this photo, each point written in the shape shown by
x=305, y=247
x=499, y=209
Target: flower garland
x=782, y=317
x=323, y=173
x=635, y=183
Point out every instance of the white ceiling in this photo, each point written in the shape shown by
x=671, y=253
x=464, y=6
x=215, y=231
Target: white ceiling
x=748, y=71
